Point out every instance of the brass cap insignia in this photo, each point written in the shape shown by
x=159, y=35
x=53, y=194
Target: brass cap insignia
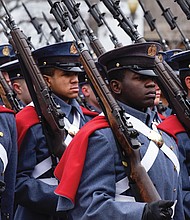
x=152, y=50
x=73, y=49
x=160, y=57
x=6, y=51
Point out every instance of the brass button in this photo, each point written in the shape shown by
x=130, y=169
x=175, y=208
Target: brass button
x=1, y=134
x=124, y=163
x=171, y=147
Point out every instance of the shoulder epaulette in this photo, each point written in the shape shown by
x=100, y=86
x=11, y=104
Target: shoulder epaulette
x=88, y=112
x=6, y=110
x=25, y=119
x=172, y=126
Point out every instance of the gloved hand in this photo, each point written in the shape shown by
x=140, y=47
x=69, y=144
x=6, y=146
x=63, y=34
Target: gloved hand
x=159, y=210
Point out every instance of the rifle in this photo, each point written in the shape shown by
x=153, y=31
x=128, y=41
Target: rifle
x=168, y=15
x=74, y=10
x=185, y=6
x=172, y=90
x=36, y=24
x=152, y=24
x=100, y=20
x=48, y=111
x=121, y=127
x=8, y=95
x=54, y=31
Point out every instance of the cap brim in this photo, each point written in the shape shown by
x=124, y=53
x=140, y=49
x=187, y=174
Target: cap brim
x=72, y=69
x=145, y=72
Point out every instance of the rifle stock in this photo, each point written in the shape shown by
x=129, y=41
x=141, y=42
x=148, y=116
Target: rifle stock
x=48, y=111
x=121, y=127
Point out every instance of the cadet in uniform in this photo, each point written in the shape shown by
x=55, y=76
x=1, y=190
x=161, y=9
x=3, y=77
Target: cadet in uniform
x=59, y=63
x=87, y=93
x=183, y=138
x=8, y=149
x=163, y=106
x=18, y=82
x=103, y=191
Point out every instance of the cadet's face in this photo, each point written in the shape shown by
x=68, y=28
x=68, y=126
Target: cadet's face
x=64, y=84
x=137, y=91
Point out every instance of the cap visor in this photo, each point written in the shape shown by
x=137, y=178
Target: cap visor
x=145, y=72
x=71, y=69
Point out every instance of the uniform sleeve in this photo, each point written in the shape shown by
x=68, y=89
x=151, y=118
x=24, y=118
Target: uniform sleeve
x=30, y=192
x=8, y=145
x=96, y=193
x=184, y=157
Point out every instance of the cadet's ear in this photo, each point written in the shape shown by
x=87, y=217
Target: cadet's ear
x=47, y=79
x=115, y=86
x=85, y=90
x=187, y=81
x=17, y=87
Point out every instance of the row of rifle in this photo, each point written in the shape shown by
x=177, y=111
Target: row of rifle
x=68, y=15
x=170, y=19
x=100, y=19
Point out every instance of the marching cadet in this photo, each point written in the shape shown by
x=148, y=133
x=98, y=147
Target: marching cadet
x=59, y=64
x=163, y=106
x=7, y=54
x=182, y=59
x=87, y=93
x=8, y=150
x=18, y=82
x=103, y=191
x=182, y=137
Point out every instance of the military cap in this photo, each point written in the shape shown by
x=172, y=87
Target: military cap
x=183, y=60
x=137, y=57
x=167, y=57
x=62, y=55
x=13, y=69
x=83, y=78
x=6, y=53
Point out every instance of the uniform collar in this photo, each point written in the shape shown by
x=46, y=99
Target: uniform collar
x=67, y=107
x=146, y=117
